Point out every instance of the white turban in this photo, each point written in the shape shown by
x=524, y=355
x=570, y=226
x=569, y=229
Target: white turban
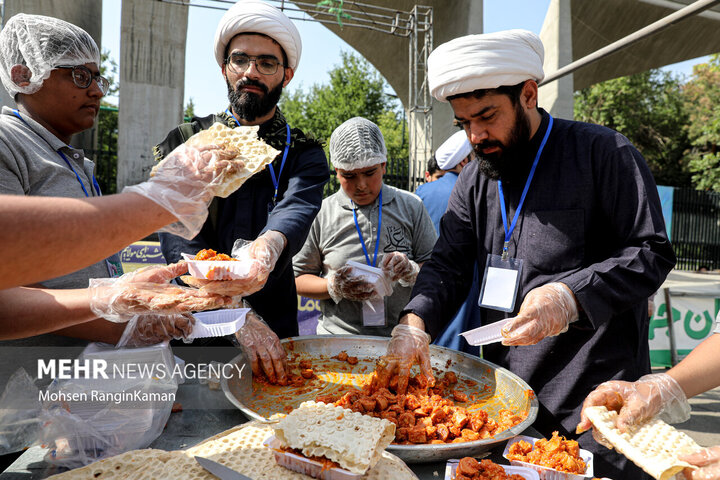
x=453, y=151
x=489, y=60
x=255, y=16
x=357, y=143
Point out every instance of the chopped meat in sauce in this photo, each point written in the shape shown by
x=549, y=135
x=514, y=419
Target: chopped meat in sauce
x=556, y=453
x=471, y=469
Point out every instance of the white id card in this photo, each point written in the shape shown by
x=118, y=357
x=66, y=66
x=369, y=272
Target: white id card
x=500, y=283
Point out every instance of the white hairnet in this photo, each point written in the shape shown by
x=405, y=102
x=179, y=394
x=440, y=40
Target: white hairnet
x=254, y=16
x=357, y=143
x=42, y=43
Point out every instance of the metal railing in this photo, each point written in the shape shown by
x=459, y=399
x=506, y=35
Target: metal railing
x=696, y=229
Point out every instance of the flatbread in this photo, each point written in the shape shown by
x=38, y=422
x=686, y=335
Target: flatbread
x=653, y=446
x=353, y=440
x=227, y=288
x=251, y=150
x=125, y=465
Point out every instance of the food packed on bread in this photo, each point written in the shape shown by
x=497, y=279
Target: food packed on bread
x=556, y=453
x=470, y=469
x=653, y=446
x=252, y=154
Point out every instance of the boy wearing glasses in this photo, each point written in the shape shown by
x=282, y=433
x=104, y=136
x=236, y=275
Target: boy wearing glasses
x=258, y=48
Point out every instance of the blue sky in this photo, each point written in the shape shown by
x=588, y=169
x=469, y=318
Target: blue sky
x=321, y=48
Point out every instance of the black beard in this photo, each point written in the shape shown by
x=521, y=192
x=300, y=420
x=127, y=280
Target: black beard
x=250, y=106
x=507, y=164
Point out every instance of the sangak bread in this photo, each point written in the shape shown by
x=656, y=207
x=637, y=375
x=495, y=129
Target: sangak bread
x=653, y=446
x=353, y=440
x=254, y=153
x=240, y=448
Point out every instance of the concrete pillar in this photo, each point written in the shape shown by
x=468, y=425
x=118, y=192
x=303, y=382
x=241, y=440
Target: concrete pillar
x=152, y=76
x=86, y=14
x=556, y=35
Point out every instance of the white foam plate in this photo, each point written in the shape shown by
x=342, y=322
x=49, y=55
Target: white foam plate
x=224, y=270
x=486, y=334
x=219, y=323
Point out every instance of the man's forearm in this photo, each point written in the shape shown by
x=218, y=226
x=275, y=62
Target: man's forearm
x=413, y=320
x=55, y=236
x=700, y=370
x=312, y=286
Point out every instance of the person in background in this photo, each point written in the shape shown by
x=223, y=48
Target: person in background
x=433, y=172
x=665, y=395
x=258, y=49
x=576, y=203
x=368, y=222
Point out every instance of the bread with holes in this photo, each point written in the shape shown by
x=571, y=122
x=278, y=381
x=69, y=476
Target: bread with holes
x=250, y=149
x=653, y=446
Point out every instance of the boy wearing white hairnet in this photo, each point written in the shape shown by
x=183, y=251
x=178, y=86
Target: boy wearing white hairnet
x=367, y=222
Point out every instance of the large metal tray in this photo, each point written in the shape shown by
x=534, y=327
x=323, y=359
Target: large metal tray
x=499, y=388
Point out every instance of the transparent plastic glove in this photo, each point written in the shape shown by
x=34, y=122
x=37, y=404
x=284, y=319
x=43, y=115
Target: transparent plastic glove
x=637, y=402
x=342, y=283
x=145, y=330
x=397, y=266
x=266, y=249
x=262, y=346
x=408, y=346
x=546, y=311
x=185, y=182
x=708, y=461
x=148, y=291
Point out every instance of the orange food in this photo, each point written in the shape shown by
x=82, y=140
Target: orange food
x=557, y=453
x=471, y=469
x=212, y=255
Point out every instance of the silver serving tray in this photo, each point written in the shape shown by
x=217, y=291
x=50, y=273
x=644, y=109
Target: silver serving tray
x=502, y=388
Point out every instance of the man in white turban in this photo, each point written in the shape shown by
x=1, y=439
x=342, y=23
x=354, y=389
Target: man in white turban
x=564, y=221
x=258, y=49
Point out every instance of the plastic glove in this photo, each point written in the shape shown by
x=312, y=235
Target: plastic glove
x=262, y=346
x=185, y=182
x=637, y=402
x=266, y=249
x=144, y=330
x=708, y=459
x=147, y=291
x=397, y=266
x=546, y=311
x=342, y=283
x=408, y=345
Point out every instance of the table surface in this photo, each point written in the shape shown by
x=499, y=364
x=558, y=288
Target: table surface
x=190, y=426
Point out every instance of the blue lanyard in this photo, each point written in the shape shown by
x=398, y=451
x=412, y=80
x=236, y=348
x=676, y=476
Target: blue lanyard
x=275, y=179
x=362, y=240
x=67, y=162
x=509, y=231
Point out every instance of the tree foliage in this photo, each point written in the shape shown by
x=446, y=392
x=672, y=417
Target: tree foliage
x=107, y=127
x=649, y=109
x=702, y=103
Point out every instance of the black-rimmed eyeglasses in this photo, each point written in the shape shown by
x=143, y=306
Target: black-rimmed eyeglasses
x=265, y=64
x=83, y=77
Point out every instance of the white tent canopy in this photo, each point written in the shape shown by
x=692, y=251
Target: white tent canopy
x=682, y=283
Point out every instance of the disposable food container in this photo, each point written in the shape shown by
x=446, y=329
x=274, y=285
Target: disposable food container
x=546, y=473
x=372, y=275
x=486, y=334
x=300, y=464
x=221, y=269
x=526, y=473
x=218, y=323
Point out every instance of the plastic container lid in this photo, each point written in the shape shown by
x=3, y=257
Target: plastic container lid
x=486, y=334
x=547, y=473
x=372, y=275
x=219, y=323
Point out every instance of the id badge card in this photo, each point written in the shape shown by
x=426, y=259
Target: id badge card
x=114, y=266
x=373, y=312
x=500, y=283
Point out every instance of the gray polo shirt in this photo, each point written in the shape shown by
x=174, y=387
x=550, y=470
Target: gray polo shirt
x=333, y=240
x=31, y=165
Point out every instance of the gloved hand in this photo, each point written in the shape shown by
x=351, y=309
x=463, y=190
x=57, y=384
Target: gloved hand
x=144, y=330
x=546, y=311
x=342, y=283
x=397, y=266
x=147, y=291
x=637, y=402
x=708, y=459
x=266, y=249
x=262, y=346
x=185, y=182
x=408, y=345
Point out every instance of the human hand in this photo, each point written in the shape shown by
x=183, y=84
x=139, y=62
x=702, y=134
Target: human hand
x=708, y=461
x=637, y=402
x=397, y=266
x=266, y=249
x=185, y=182
x=546, y=311
x=342, y=283
x=408, y=345
x=148, y=291
x=144, y=330
x=263, y=348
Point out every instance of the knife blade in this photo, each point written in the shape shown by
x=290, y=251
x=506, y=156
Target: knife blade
x=219, y=470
